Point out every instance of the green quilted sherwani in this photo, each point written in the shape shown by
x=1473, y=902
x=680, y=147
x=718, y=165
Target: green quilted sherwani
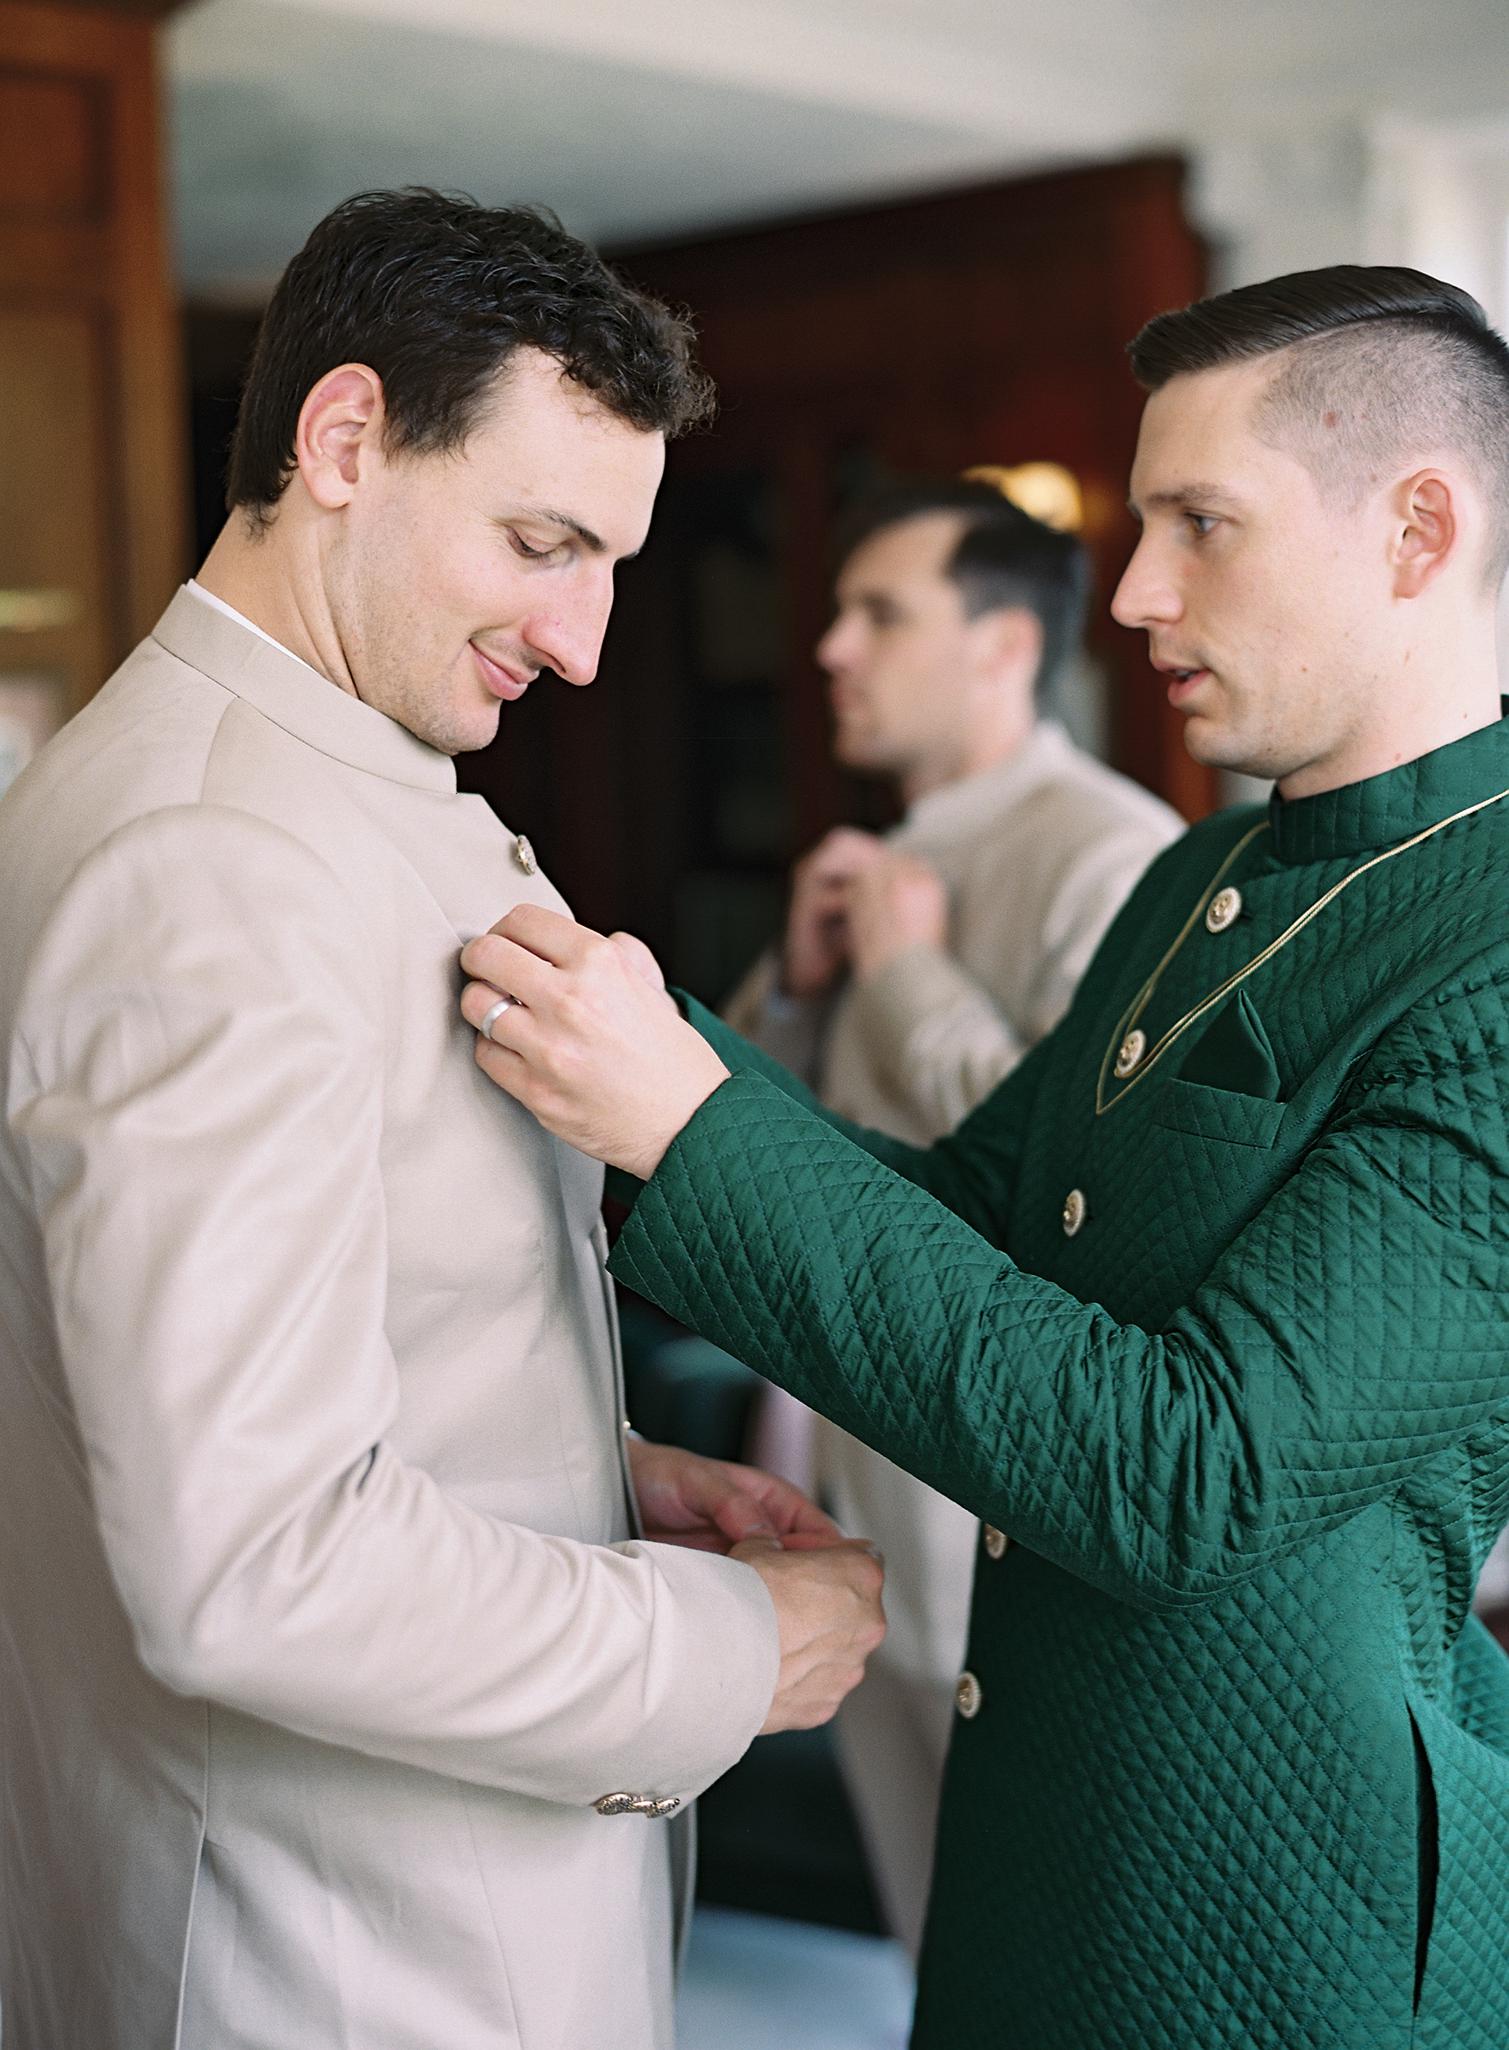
x=1221, y=1344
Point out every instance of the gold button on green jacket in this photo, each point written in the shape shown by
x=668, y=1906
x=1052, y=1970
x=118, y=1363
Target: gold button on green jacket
x=1239, y=1775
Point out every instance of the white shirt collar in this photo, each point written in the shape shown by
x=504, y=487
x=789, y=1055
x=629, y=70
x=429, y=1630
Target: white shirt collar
x=208, y=598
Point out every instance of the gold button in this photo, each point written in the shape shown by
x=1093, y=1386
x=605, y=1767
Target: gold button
x=967, y=1696
x=1224, y=909
x=525, y=853
x=1075, y=1211
x=1132, y=1048
x=637, y=1804
x=996, y=1541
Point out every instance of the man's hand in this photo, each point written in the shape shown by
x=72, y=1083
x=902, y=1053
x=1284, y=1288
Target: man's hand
x=598, y=1053
x=712, y=1505
x=828, y=1607
x=816, y=946
x=894, y=903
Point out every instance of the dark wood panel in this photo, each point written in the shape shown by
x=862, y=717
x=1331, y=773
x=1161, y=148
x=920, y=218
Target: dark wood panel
x=150, y=384
x=56, y=262
x=78, y=41
x=82, y=259
x=51, y=149
x=55, y=499
x=108, y=11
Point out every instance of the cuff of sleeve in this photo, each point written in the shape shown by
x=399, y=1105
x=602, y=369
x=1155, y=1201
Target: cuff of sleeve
x=715, y=1663
x=650, y=1255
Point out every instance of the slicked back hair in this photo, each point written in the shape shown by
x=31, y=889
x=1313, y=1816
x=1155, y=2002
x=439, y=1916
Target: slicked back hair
x=1383, y=367
x=435, y=292
x=1003, y=560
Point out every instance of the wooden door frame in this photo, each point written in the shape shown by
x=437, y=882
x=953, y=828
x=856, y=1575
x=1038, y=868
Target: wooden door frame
x=115, y=268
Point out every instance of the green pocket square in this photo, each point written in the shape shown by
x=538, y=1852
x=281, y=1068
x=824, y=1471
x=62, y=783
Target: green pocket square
x=1233, y=1053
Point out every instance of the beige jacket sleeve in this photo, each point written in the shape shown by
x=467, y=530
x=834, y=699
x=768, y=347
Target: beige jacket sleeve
x=197, y=1092
x=939, y=1035
x=791, y=1030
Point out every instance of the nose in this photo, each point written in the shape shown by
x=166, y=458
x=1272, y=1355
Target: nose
x=836, y=650
x=1146, y=595
x=569, y=637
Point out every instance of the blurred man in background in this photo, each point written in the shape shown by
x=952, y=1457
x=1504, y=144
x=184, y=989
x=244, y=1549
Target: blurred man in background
x=917, y=970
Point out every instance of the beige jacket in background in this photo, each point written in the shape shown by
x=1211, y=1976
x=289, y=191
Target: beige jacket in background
x=322, y=1624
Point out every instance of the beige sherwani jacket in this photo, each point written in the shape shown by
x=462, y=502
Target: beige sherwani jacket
x=1038, y=855
x=322, y=1623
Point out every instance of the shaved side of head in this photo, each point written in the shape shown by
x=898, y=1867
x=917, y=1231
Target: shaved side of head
x=1376, y=368
x=1362, y=405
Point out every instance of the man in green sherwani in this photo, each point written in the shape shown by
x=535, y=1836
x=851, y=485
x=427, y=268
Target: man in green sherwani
x=1206, y=1311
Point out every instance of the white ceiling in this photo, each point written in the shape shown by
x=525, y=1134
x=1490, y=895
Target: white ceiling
x=641, y=119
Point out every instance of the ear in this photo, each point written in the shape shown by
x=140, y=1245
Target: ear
x=339, y=431
x=1426, y=531
x=1009, y=644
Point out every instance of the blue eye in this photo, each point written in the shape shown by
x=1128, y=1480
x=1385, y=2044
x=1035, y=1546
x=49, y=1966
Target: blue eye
x=1203, y=523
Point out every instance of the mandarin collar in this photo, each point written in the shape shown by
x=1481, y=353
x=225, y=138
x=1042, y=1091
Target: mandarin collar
x=1383, y=809
x=956, y=810
x=297, y=698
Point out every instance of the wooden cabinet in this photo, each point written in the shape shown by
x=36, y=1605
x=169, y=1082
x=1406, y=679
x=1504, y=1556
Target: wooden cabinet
x=985, y=326
x=92, y=461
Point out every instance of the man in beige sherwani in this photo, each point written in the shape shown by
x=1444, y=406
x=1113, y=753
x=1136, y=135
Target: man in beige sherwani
x=342, y=1700
x=914, y=974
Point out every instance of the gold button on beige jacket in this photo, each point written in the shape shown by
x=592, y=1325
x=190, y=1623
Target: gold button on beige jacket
x=322, y=1622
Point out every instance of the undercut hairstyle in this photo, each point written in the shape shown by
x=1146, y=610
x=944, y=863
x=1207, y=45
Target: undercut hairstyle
x=1004, y=559
x=435, y=293
x=1383, y=367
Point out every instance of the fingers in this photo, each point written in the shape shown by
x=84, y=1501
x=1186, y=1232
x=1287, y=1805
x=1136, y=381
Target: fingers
x=639, y=958
x=501, y=1064
x=526, y=951
x=511, y=969
x=829, y=1613
x=741, y=1516
x=842, y=853
x=548, y=934
x=785, y=1504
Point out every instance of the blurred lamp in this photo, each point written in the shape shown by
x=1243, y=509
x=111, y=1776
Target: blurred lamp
x=1046, y=490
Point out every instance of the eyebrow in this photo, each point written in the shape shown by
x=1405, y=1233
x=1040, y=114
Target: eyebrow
x=1183, y=494
x=555, y=518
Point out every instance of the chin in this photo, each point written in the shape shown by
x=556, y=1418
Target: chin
x=468, y=743
x=860, y=760
x=460, y=734
x=1213, y=745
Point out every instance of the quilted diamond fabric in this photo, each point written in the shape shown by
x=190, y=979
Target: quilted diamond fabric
x=1248, y=1427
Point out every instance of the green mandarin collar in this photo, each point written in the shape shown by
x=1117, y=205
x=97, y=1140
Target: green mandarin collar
x=1387, y=808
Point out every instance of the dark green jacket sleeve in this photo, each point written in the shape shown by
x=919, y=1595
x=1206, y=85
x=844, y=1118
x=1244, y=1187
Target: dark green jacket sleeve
x=972, y=1172
x=1352, y=1334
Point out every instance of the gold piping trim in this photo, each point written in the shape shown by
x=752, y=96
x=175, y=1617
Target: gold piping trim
x=1144, y=996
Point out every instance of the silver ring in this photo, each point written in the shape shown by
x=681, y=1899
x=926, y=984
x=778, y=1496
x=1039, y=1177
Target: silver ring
x=493, y=1012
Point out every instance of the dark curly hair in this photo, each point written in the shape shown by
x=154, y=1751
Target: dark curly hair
x=435, y=292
